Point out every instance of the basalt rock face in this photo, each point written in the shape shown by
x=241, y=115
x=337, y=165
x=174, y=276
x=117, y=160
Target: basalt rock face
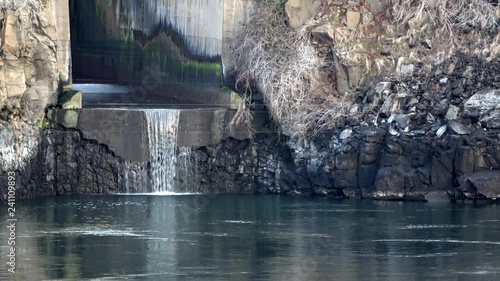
x=434, y=132
x=66, y=163
x=369, y=164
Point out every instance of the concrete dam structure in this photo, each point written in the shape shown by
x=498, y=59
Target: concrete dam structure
x=174, y=48
x=149, y=64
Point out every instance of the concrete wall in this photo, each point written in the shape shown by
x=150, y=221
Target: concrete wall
x=125, y=131
x=236, y=13
x=188, y=41
x=63, y=42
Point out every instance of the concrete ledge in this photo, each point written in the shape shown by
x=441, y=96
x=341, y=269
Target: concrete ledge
x=125, y=131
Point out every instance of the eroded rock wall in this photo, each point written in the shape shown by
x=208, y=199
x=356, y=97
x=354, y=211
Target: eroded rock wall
x=65, y=163
x=34, y=62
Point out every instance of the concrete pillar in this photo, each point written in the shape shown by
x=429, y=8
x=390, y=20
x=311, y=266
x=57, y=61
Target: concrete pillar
x=63, y=43
x=236, y=13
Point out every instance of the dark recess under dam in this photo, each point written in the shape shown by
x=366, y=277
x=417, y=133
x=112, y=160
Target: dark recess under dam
x=122, y=42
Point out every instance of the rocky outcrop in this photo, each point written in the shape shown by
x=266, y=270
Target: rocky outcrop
x=485, y=106
x=360, y=40
x=66, y=163
x=420, y=143
x=370, y=164
x=300, y=11
x=34, y=60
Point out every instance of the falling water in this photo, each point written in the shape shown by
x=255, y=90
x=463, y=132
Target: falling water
x=162, y=135
x=134, y=178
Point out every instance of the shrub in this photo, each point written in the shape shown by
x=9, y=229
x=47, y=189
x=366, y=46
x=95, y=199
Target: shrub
x=450, y=15
x=273, y=58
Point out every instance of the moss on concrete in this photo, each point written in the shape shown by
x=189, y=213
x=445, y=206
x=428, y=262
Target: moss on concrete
x=71, y=100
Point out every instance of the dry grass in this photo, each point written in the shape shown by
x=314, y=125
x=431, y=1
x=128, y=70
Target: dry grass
x=468, y=26
x=450, y=25
x=18, y=5
x=285, y=68
x=448, y=15
x=243, y=116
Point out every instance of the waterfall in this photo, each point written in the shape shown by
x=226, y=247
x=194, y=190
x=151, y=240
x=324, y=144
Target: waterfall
x=162, y=125
x=134, y=178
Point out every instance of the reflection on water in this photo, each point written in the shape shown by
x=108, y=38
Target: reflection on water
x=251, y=238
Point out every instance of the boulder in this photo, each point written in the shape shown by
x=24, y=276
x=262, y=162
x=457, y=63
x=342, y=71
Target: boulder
x=407, y=69
x=487, y=183
x=465, y=187
x=300, y=11
x=491, y=120
x=381, y=87
x=353, y=19
x=377, y=6
x=482, y=102
x=441, y=176
x=369, y=153
x=345, y=134
x=459, y=128
x=367, y=175
x=345, y=178
x=395, y=104
x=346, y=161
x=440, y=132
x=470, y=160
x=452, y=112
x=402, y=120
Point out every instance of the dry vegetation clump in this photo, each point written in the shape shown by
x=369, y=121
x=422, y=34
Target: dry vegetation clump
x=273, y=58
x=450, y=25
x=18, y=5
x=447, y=15
x=453, y=25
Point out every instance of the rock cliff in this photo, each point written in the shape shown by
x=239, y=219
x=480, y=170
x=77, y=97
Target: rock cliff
x=34, y=62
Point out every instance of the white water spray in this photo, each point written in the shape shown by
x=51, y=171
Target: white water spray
x=162, y=135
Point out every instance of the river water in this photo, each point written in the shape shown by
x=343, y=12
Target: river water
x=196, y=237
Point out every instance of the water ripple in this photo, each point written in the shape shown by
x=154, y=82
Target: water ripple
x=438, y=241
x=430, y=226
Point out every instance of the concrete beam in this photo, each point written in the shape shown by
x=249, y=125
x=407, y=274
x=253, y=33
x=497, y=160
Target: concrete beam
x=125, y=131
x=236, y=14
x=63, y=42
